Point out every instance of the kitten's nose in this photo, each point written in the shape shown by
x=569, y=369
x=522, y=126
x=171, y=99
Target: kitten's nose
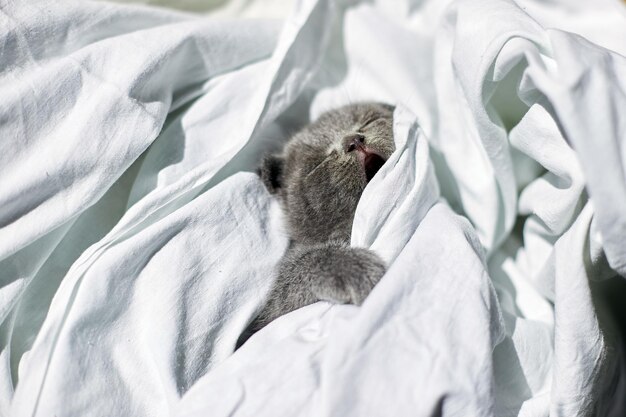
x=353, y=142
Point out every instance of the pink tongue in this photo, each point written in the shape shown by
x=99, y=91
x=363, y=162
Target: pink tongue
x=372, y=164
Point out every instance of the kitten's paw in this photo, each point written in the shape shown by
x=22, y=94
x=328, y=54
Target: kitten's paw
x=335, y=289
x=354, y=274
x=363, y=274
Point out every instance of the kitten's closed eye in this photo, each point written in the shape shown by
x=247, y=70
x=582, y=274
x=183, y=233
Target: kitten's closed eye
x=369, y=122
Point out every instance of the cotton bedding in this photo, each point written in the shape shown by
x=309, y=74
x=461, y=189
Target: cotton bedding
x=136, y=242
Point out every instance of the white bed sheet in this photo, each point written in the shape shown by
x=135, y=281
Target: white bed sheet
x=133, y=249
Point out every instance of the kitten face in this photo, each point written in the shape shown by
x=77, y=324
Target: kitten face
x=325, y=167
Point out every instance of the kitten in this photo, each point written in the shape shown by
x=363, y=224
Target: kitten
x=319, y=178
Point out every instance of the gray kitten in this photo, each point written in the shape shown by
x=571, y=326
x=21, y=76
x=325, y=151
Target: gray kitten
x=319, y=178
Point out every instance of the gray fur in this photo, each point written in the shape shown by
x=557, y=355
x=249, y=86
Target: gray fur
x=319, y=178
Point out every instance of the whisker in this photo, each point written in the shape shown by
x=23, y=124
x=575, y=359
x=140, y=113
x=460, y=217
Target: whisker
x=327, y=159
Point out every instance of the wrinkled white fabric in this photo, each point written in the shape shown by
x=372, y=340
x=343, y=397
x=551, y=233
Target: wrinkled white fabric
x=133, y=250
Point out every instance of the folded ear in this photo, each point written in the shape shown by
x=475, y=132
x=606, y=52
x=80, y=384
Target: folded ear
x=271, y=172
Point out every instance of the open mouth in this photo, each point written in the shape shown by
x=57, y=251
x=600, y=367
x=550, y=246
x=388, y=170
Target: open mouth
x=371, y=164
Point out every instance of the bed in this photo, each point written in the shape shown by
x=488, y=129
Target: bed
x=136, y=240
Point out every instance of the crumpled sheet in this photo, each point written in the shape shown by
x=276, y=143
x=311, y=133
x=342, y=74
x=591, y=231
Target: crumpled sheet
x=134, y=246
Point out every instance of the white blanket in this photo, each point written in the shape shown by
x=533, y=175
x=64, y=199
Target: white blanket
x=134, y=247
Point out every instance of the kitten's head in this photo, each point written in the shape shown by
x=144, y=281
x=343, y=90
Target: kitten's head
x=324, y=168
